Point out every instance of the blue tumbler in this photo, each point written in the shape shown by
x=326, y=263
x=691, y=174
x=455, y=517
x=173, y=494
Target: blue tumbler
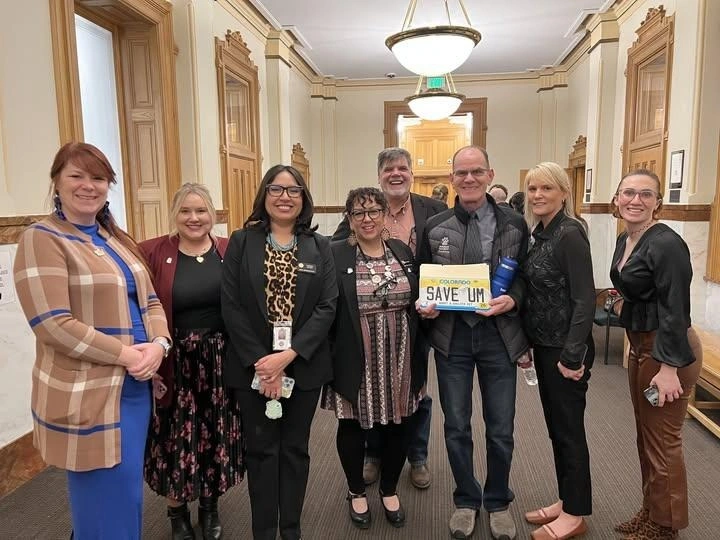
x=503, y=277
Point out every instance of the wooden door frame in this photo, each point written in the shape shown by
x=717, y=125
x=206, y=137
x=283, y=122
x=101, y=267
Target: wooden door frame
x=232, y=55
x=655, y=34
x=157, y=14
x=476, y=106
x=577, y=160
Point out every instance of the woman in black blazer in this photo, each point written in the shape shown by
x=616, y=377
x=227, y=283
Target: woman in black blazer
x=377, y=380
x=278, y=275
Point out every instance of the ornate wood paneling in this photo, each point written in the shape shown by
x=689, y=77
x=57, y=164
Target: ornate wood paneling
x=476, y=106
x=299, y=160
x=712, y=272
x=647, y=94
x=576, y=171
x=11, y=227
x=239, y=113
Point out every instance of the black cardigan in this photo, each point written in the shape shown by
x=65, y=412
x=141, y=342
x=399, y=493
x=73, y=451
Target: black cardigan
x=560, y=295
x=346, y=343
x=655, y=285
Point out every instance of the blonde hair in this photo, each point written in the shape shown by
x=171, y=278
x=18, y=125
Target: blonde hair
x=190, y=189
x=555, y=175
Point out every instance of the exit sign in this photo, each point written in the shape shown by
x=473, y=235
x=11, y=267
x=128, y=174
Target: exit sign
x=435, y=82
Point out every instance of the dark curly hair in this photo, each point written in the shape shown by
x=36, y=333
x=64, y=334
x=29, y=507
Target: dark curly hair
x=364, y=195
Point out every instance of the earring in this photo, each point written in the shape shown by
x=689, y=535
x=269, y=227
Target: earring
x=385, y=234
x=352, y=239
x=58, y=207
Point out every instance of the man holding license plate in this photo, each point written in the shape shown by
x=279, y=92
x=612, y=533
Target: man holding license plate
x=470, y=331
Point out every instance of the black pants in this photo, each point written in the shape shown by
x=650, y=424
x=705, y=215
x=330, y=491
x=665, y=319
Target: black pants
x=351, y=450
x=563, y=402
x=277, y=461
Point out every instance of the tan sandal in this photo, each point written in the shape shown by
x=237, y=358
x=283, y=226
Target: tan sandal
x=539, y=517
x=546, y=533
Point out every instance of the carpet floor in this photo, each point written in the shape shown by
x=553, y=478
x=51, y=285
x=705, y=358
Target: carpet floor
x=39, y=508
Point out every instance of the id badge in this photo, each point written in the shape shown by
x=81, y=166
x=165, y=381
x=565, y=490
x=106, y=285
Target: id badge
x=282, y=335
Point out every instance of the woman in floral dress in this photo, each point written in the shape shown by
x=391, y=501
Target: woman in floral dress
x=194, y=447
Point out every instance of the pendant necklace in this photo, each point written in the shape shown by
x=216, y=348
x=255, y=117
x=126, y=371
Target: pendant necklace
x=374, y=276
x=200, y=256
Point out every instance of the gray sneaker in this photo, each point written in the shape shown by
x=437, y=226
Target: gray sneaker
x=502, y=526
x=462, y=522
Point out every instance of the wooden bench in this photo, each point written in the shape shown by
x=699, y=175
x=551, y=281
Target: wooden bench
x=709, y=381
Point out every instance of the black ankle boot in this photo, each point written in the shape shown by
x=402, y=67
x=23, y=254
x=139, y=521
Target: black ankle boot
x=209, y=519
x=180, y=523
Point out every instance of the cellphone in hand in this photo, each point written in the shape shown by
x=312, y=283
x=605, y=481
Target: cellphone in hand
x=652, y=395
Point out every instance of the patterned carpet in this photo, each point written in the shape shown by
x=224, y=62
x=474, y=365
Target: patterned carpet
x=39, y=508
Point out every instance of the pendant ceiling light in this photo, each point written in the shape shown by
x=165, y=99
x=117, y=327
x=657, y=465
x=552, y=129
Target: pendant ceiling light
x=435, y=102
x=433, y=50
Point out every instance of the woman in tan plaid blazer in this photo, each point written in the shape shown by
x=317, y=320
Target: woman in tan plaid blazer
x=101, y=334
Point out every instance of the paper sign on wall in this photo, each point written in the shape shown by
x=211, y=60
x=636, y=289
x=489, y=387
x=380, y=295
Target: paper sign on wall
x=458, y=287
x=7, y=291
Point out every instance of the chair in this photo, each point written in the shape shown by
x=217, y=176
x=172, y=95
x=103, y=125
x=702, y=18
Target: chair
x=604, y=315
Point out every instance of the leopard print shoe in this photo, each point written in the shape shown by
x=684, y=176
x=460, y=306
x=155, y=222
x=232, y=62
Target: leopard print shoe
x=634, y=524
x=652, y=531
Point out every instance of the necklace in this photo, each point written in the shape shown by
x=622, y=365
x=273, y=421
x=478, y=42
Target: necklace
x=642, y=229
x=281, y=247
x=199, y=257
x=382, y=286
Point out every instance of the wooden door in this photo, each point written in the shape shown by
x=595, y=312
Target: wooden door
x=143, y=114
x=432, y=145
x=238, y=100
x=649, y=67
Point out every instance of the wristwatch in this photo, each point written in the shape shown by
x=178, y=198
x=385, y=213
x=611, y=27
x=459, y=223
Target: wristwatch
x=164, y=343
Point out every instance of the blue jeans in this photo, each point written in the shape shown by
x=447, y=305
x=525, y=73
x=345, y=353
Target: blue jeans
x=481, y=348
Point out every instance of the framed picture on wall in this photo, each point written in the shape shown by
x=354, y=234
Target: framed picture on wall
x=588, y=181
x=676, y=169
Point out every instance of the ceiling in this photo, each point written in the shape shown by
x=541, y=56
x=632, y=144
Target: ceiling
x=346, y=38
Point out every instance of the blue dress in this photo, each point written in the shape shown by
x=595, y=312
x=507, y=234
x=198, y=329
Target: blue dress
x=107, y=504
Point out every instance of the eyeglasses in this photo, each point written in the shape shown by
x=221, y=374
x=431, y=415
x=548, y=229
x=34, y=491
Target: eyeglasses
x=628, y=194
x=476, y=173
x=276, y=190
x=359, y=215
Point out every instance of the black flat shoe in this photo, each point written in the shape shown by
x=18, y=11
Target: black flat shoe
x=396, y=518
x=360, y=519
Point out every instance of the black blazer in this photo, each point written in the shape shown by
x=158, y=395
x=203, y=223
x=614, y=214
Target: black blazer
x=423, y=207
x=244, y=309
x=346, y=337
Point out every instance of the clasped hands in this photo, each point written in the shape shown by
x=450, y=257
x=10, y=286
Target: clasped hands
x=271, y=369
x=498, y=306
x=142, y=360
